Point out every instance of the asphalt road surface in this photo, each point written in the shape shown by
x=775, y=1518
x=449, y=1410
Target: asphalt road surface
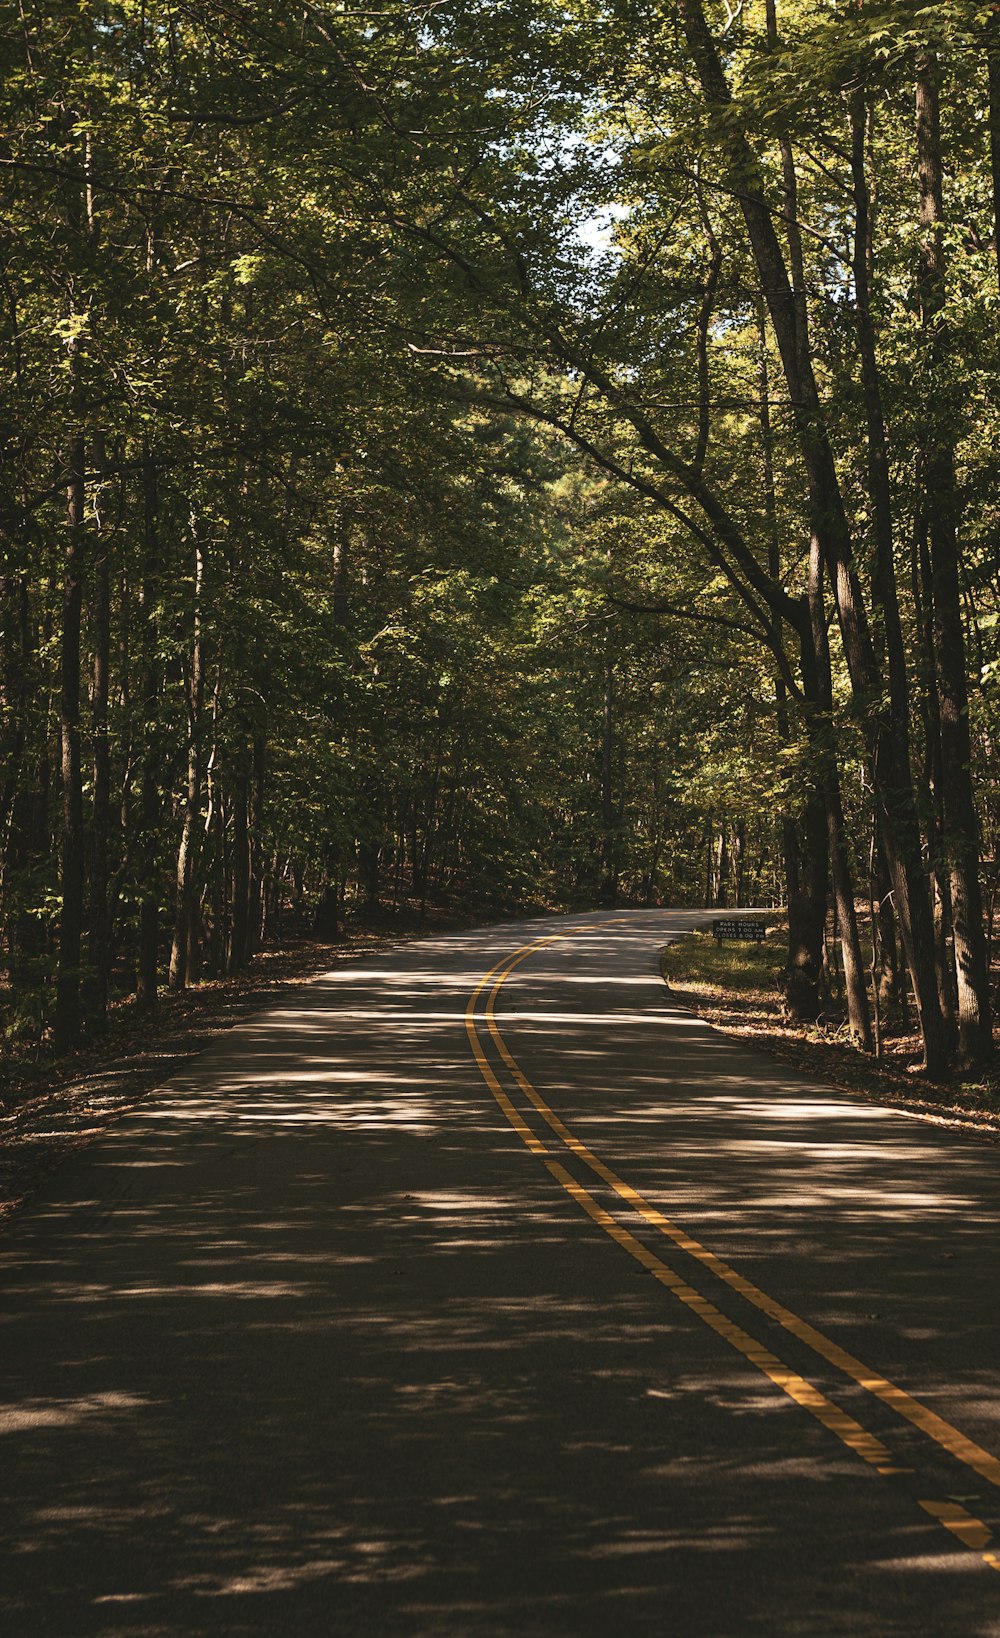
x=430, y=1305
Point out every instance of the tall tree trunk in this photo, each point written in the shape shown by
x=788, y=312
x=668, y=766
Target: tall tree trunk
x=879, y=484
x=326, y=917
x=212, y=843
x=993, y=72
x=821, y=728
x=703, y=334
x=961, y=837
x=722, y=865
x=68, y=1020
x=708, y=841
x=239, y=950
x=27, y=795
x=739, y=864
x=221, y=941
x=147, y=977
x=793, y=230
x=806, y=917
x=256, y=925
x=13, y=698
x=933, y=774
x=187, y=851
x=821, y=719
x=341, y=580
x=897, y=811
x=889, y=993
x=608, y=887
x=370, y=865
x=99, y=931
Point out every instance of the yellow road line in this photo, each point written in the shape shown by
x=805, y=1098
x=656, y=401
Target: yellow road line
x=970, y=1530
x=802, y=1392
x=929, y=1423
x=796, y=1387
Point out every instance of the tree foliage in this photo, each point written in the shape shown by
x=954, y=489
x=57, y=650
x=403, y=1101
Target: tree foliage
x=503, y=455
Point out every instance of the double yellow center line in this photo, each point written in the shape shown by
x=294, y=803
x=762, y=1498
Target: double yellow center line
x=972, y=1532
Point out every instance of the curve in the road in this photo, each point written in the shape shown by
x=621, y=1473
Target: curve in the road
x=969, y=1529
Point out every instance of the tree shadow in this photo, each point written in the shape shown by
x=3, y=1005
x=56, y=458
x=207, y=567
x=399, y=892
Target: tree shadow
x=311, y=1344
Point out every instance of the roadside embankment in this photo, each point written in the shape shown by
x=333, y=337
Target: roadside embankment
x=738, y=988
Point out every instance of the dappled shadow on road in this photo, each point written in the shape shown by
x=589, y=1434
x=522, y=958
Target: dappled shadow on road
x=878, y=1226
x=312, y=1345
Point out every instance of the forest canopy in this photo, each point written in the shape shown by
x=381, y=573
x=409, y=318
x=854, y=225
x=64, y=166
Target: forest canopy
x=506, y=455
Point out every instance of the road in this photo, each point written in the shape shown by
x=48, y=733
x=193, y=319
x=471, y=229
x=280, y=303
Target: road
x=446, y=1304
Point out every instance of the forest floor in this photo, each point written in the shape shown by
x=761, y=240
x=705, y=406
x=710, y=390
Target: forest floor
x=50, y=1106
x=737, y=988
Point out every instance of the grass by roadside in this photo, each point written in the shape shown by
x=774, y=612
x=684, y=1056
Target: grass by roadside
x=737, y=987
x=50, y=1107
